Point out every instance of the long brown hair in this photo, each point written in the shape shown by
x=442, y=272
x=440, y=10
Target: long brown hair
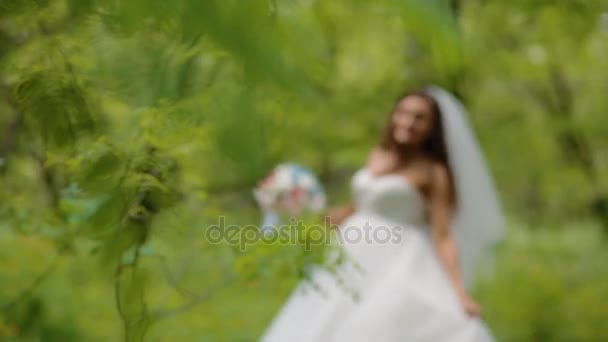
x=434, y=146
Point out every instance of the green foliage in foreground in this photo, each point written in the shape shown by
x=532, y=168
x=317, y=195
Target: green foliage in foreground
x=131, y=126
x=550, y=286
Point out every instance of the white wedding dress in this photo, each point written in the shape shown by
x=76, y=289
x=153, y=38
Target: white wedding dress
x=398, y=292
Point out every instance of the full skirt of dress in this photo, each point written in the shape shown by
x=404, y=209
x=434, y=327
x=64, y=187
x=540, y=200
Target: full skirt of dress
x=392, y=288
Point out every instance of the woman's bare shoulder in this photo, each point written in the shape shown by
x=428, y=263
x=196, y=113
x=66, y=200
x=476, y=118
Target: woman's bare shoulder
x=439, y=174
x=376, y=152
x=436, y=166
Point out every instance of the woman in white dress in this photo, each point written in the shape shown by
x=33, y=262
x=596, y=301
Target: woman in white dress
x=424, y=211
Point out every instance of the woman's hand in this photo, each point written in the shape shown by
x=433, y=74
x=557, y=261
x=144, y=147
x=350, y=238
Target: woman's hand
x=337, y=215
x=469, y=305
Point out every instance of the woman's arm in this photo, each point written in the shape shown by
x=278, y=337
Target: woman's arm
x=338, y=214
x=440, y=210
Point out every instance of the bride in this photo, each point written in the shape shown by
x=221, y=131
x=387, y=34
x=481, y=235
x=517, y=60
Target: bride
x=424, y=212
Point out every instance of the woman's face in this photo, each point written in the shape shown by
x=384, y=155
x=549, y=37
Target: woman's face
x=413, y=120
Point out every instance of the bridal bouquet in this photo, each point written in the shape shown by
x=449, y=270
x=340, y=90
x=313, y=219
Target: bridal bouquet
x=289, y=189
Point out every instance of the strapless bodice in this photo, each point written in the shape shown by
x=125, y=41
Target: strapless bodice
x=390, y=196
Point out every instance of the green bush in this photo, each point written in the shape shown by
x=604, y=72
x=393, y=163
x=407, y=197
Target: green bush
x=550, y=284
